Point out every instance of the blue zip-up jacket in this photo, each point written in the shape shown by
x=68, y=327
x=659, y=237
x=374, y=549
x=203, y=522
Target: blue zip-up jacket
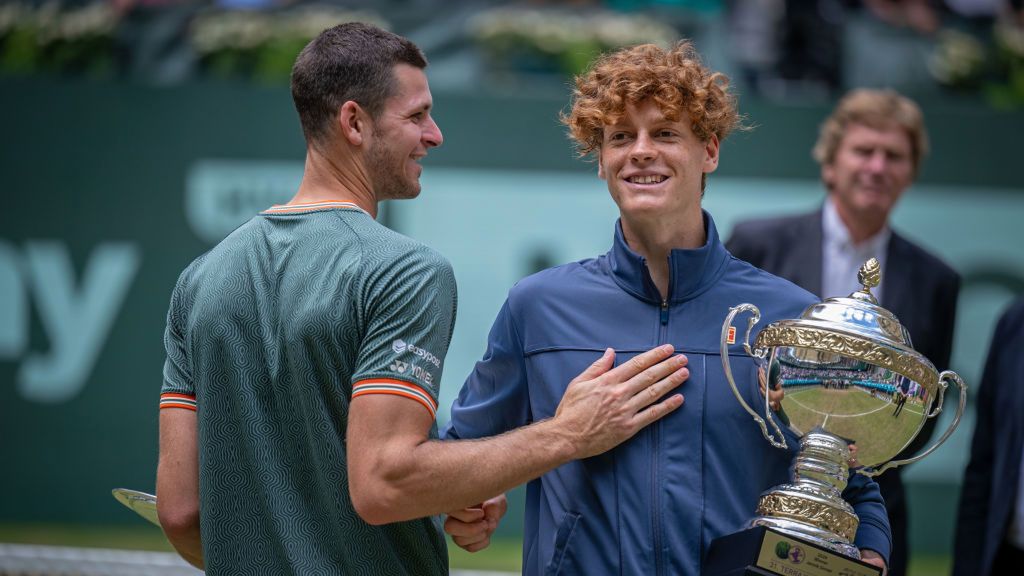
x=653, y=504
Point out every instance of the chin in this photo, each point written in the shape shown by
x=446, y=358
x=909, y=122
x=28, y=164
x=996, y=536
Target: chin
x=411, y=192
x=875, y=204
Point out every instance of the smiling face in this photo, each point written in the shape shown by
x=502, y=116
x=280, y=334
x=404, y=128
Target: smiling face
x=654, y=165
x=871, y=169
x=401, y=136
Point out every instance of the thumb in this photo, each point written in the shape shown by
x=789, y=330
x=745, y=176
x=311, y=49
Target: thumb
x=474, y=514
x=600, y=366
x=495, y=508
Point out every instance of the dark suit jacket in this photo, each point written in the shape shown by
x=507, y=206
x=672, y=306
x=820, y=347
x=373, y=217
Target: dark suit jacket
x=918, y=288
x=990, y=480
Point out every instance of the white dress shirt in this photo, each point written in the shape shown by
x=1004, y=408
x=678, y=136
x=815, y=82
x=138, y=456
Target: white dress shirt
x=841, y=258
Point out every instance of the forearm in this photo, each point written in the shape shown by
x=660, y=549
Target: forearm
x=177, y=483
x=178, y=509
x=437, y=476
x=189, y=545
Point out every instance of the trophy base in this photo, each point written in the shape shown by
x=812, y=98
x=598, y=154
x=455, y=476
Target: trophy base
x=761, y=551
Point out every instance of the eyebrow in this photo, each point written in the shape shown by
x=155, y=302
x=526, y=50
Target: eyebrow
x=657, y=125
x=422, y=106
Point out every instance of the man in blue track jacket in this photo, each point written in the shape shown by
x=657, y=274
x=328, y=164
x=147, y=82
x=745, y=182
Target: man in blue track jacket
x=654, y=120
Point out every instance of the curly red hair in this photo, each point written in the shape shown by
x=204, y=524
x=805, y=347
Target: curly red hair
x=675, y=79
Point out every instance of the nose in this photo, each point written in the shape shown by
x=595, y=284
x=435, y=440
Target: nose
x=877, y=161
x=643, y=148
x=432, y=136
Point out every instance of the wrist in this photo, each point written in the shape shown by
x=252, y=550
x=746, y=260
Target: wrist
x=559, y=439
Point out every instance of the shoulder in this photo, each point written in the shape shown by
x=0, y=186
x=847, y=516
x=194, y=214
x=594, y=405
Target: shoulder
x=397, y=270
x=567, y=286
x=756, y=228
x=383, y=248
x=188, y=279
x=765, y=289
x=906, y=250
x=188, y=274
x=231, y=250
x=560, y=279
x=1012, y=319
x=741, y=271
x=763, y=239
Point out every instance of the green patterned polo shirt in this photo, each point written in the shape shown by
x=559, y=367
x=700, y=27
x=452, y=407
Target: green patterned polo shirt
x=269, y=336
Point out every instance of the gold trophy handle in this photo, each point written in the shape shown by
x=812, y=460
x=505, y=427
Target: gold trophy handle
x=947, y=375
x=754, y=318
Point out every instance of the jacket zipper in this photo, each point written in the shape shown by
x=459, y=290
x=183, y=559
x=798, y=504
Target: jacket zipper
x=656, y=498
x=655, y=470
x=663, y=314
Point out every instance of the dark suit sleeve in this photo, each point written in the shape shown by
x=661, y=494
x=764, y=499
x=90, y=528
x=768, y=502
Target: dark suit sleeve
x=976, y=491
x=944, y=315
x=949, y=294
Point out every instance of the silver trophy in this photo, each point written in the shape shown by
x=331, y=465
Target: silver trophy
x=845, y=380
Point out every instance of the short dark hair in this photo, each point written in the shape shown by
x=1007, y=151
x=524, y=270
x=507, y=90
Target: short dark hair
x=351, y=61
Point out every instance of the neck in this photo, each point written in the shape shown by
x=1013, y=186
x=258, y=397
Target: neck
x=335, y=177
x=655, y=238
x=859, y=226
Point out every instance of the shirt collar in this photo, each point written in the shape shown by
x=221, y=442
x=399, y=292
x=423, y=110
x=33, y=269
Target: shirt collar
x=691, y=272
x=313, y=207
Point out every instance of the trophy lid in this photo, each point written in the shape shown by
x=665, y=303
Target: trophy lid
x=857, y=327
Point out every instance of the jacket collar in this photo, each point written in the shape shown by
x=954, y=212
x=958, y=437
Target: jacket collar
x=691, y=271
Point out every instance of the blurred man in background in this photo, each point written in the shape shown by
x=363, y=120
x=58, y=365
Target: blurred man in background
x=990, y=524
x=654, y=120
x=870, y=151
x=304, y=356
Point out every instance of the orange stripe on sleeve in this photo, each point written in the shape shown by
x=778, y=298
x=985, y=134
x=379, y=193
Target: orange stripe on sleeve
x=177, y=400
x=397, y=388
x=425, y=404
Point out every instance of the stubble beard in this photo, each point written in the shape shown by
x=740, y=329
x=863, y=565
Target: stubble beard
x=387, y=173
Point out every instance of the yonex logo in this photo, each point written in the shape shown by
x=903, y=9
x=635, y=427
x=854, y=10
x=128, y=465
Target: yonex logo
x=399, y=366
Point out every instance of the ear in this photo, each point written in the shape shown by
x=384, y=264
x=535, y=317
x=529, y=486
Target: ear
x=353, y=123
x=828, y=174
x=711, y=154
x=600, y=166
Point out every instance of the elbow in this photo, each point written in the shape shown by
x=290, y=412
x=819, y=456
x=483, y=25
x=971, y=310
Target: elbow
x=385, y=484
x=372, y=512
x=178, y=520
x=376, y=502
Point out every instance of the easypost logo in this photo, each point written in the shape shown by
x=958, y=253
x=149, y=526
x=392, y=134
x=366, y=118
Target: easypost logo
x=76, y=316
x=400, y=346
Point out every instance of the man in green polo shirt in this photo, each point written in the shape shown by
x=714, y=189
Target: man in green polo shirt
x=304, y=356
